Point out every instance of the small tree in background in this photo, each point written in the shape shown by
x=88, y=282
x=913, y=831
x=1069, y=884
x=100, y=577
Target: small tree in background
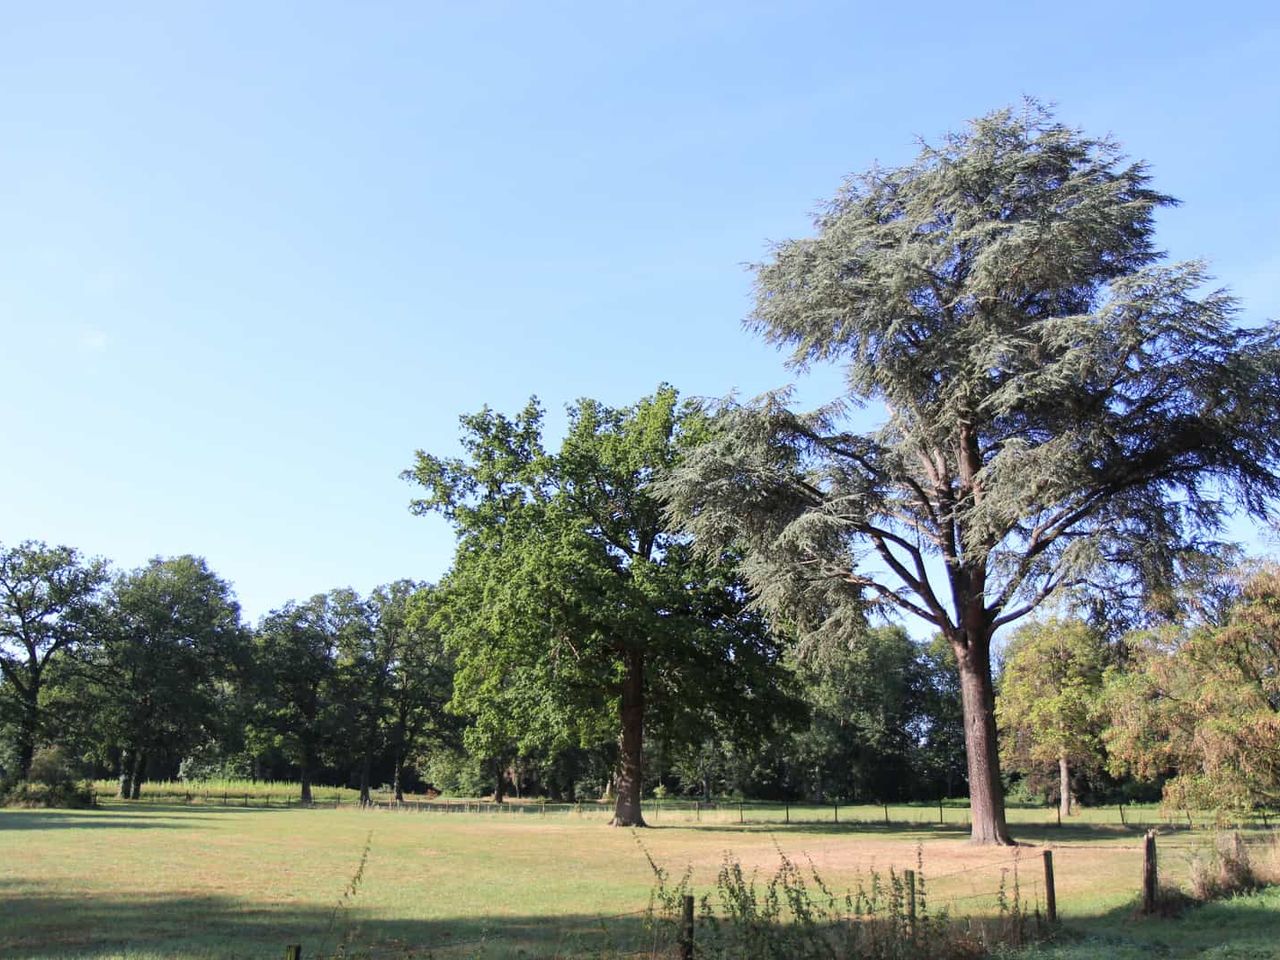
x=1204, y=708
x=1050, y=705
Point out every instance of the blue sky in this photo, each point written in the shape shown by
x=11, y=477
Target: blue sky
x=253, y=256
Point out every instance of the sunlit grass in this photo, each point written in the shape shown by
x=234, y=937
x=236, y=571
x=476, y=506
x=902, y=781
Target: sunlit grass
x=142, y=880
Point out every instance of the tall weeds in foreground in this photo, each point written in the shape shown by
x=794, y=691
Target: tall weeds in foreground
x=794, y=914
x=349, y=928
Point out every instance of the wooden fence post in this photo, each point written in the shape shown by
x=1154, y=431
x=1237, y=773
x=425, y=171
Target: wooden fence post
x=1050, y=896
x=835, y=809
x=293, y=952
x=686, y=928
x=740, y=811
x=787, y=810
x=911, y=901
x=1150, y=880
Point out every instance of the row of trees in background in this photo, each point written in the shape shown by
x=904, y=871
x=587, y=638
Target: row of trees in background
x=151, y=673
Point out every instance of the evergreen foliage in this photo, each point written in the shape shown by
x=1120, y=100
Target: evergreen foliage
x=1061, y=407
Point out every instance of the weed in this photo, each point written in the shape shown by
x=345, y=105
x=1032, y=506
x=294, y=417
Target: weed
x=1227, y=870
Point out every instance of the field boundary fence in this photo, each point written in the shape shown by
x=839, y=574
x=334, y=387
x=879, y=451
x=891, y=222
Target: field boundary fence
x=733, y=812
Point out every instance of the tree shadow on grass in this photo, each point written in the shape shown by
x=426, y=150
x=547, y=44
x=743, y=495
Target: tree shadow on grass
x=100, y=819
x=1036, y=835
x=40, y=923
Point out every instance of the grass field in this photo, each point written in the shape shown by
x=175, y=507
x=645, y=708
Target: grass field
x=155, y=880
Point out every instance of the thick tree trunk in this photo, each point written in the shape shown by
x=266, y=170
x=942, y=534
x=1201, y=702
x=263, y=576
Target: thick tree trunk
x=139, y=768
x=365, y=764
x=1064, y=786
x=27, y=729
x=126, y=775
x=626, y=810
x=304, y=774
x=986, y=792
x=500, y=784
x=397, y=782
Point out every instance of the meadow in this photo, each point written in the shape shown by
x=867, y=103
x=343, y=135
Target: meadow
x=202, y=880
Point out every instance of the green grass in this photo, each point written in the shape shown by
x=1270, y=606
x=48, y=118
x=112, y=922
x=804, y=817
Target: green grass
x=204, y=881
x=1243, y=928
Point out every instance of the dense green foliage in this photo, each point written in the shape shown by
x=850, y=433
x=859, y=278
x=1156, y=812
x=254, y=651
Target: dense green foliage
x=1202, y=706
x=576, y=616
x=1050, y=704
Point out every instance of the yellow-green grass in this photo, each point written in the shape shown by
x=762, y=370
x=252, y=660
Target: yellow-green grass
x=155, y=880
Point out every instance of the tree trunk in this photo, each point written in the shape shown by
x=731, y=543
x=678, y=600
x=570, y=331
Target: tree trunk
x=500, y=783
x=304, y=774
x=397, y=782
x=126, y=775
x=626, y=811
x=986, y=792
x=27, y=728
x=365, y=798
x=1064, y=785
x=139, y=768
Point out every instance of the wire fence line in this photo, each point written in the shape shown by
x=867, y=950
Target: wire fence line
x=1024, y=893
x=742, y=813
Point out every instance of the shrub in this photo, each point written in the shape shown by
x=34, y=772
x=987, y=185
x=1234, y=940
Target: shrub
x=1227, y=870
x=51, y=782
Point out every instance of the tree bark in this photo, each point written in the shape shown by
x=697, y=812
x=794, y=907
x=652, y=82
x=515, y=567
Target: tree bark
x=126, y=775
x=139, y=768
x=500, y=783
x=986, y=792
x=626, y=811
x=27, y=728
x=304, y=774
x=398, y=780
x=1064, y=785
x=365, y=798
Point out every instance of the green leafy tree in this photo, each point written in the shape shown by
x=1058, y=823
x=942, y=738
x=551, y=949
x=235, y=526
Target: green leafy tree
x=864, y=691
x=48, y=600
x=1202, y=708
x=296, y=662
x=421, y=678
x=1050, y=702
x=160, y=674
x=578, y=602
x=1060, y=406
x=940, y=759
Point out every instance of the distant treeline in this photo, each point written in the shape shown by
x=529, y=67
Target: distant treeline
x=152, y=675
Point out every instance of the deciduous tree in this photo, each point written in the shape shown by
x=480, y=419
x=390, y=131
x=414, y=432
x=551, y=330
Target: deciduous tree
x=577, y=599
x=1203, y=707
x=48, y=596
x=1050, y=703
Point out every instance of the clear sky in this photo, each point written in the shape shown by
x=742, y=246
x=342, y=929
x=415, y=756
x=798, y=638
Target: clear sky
x=252, y=256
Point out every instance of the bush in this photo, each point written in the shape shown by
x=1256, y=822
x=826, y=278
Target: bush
x=72, y=796
x=52, y=781
x=1226, y=871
